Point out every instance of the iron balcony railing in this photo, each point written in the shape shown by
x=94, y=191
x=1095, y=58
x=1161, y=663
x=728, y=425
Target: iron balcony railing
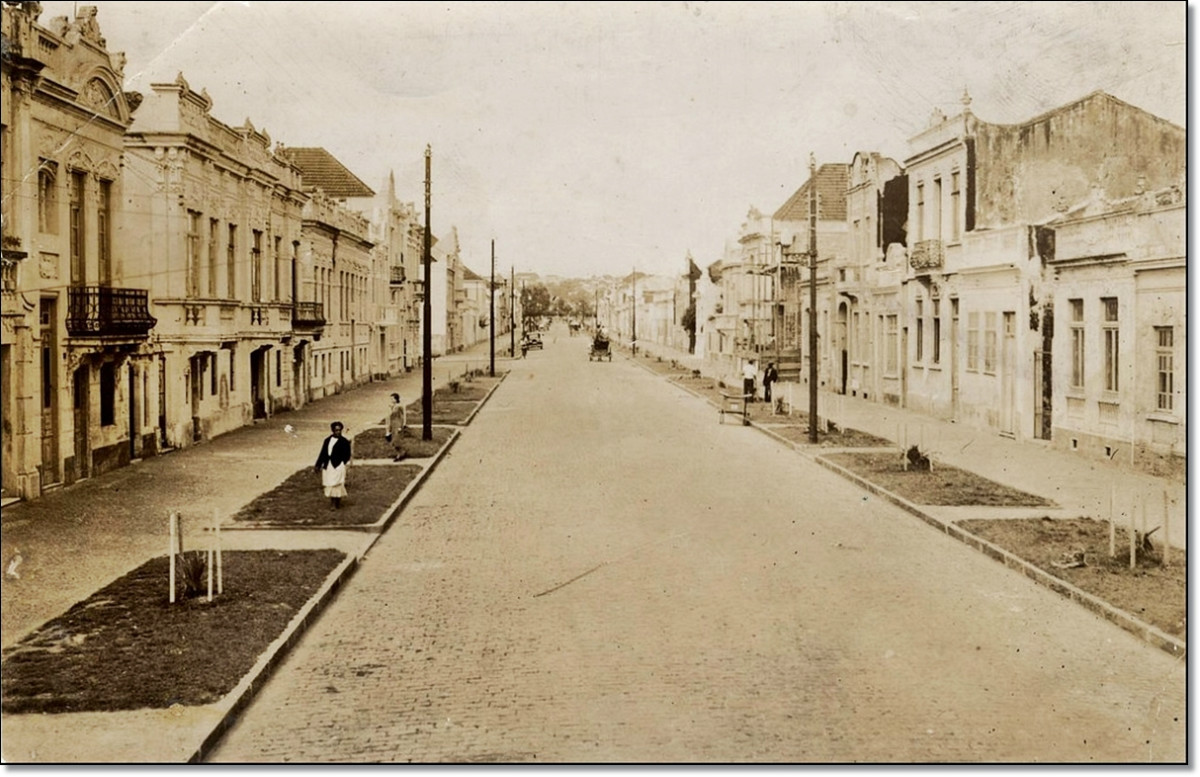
x=8, y=280
x=308, y=314
x=397, y=274
x=107, y=311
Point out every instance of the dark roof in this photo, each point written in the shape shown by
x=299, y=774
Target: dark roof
x=320, y=169
x=832, y=180
x=470, y=275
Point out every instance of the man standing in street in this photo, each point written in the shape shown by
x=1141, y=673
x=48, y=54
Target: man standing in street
x=331, y=463
x=770, y=375
x=749, y=373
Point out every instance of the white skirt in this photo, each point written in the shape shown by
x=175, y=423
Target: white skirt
x=334, y=480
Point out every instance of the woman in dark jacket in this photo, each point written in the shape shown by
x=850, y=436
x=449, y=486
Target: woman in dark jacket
x=332, y=462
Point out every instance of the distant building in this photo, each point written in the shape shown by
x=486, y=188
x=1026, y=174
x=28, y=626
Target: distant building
x=867, y=280
x=474, y=311
x=792, y=300
x=395, y=291
x=337, y=263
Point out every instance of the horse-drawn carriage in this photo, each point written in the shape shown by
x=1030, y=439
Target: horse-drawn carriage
x=600, y=348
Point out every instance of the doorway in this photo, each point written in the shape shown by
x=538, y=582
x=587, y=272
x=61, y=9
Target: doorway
x=840, y=337
x=298, y=394
x=133, y=411
x=954, y=338
x=258, y=378
x=48, y=321
x=1043, y=380
x=1008, y=381
x=162, y=403
x=82, y=400
x=196, y=384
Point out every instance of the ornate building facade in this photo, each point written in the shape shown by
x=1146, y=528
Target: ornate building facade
x=75, y=316
x=214, y=227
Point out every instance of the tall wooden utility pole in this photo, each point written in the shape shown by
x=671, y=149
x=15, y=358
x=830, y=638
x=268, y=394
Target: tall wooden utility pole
x=492, y=313
x=427, y=336
x=812, y=298
x=634, y=300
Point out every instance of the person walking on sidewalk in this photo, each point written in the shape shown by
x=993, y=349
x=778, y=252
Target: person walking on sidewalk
x=332, y=462
x=770, y=375
x=397, y=426
x=749, y=373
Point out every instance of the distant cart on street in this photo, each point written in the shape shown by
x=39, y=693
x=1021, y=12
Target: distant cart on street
x=600, y=348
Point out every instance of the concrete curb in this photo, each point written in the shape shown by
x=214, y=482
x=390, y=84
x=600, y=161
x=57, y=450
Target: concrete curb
x=245, y=691
x=409, y=491
x=471, y=417
x=390, y=514
x=229, y=707
x=1125, y=620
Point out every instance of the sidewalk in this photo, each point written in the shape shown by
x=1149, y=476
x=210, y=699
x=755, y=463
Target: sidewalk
x=73, y=541
x=1080, y=486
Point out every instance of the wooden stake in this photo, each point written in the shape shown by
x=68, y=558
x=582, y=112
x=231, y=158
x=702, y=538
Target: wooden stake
x=1112, y=524
x=1166, y=524
x=1144, y=515
x=220, y=571
x=210, y=573
x=1132, y=536
x=172, y=523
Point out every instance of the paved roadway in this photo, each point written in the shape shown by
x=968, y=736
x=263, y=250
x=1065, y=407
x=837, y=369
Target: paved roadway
x=600, y=572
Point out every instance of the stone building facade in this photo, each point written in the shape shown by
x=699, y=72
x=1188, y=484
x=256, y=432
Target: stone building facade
x=75, y=318
x=338, y=260
x=1119, y=306
x=978, y=195
x=214, y=217
x=396, y=233
x=867, y=279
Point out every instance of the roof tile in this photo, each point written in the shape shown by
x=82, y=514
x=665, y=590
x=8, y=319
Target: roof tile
x=320, y=169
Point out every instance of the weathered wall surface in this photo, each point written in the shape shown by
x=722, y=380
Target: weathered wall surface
x=1029, y=172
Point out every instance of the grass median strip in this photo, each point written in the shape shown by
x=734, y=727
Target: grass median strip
x=835, y=438
x=942, y=485
x=1077, y=550
x=126, y=647
x=300, y=500
x=371, y=443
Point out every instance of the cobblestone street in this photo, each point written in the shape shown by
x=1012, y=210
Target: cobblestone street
x=600, y=572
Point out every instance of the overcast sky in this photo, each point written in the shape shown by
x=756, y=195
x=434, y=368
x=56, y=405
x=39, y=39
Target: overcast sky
x=593, y=138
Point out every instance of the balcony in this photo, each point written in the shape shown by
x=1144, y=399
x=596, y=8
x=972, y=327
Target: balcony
x=8, y=283
x=397, y=276
x=308, y=314
x=107, y=312
x=927, y=255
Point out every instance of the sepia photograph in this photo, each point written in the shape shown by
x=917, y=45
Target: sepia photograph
x=619, y=384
